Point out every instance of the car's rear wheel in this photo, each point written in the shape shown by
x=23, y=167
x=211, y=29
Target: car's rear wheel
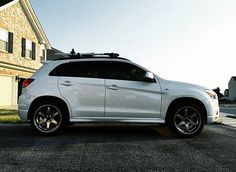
x=186, y=119
x=47, y=118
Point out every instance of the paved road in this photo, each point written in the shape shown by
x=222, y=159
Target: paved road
x=116, y=147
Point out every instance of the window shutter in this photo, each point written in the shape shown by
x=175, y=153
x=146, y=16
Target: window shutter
x=23, y=48
x=10, y=42
x=33, y=50
x=44, y=55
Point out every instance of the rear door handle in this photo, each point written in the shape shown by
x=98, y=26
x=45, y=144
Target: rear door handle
x=113, y=87
x=66, y=83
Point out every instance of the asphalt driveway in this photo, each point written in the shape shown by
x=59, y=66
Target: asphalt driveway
x=117, y=147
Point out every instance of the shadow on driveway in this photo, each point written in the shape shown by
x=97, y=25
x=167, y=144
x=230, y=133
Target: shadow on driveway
x=22, y=135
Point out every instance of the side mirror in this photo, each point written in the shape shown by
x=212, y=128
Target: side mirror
x=149, y=77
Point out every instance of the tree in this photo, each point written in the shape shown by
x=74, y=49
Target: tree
x=217, y=91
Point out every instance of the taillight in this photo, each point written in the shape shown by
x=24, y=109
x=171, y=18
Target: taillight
x=27, y=82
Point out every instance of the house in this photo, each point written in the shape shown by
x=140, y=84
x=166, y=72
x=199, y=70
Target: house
x=232, y=88
x=23, y=46
x=53, y=54
x=226, y=93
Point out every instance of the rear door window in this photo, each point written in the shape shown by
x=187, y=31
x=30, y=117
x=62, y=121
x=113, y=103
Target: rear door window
x=93, y=69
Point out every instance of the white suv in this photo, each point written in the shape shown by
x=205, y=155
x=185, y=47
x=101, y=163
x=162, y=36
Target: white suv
x=107, y=88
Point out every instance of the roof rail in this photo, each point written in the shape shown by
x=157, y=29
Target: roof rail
x=87, y=55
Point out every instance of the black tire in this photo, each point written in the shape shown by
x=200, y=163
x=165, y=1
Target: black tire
x=186, y=119
x=48, y=118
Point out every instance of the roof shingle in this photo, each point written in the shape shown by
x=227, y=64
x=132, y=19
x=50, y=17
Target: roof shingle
x=4, y=2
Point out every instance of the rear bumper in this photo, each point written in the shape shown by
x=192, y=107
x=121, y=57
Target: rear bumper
x=23, y=106
x=23, y=114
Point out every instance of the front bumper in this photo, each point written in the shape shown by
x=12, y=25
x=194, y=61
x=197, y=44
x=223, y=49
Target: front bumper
x=215, y=117
x=213, y=110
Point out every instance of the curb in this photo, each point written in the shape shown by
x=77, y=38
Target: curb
x=228, y=105
x=228, y=121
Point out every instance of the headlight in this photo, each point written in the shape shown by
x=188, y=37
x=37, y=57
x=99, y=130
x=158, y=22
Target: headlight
x=211, y=93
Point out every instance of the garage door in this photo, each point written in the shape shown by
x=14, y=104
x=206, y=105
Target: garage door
x=6, y=90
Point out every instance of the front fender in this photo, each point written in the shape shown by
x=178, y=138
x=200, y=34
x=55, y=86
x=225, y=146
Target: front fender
x=171, y=95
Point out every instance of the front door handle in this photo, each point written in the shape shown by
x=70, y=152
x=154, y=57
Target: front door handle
x=113, y=87
x=66, y=83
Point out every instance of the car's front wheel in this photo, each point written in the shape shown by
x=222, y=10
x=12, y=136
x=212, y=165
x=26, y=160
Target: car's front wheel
x=186, y=119
x=47, y=118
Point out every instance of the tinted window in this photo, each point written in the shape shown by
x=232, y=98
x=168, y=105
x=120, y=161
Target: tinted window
x=124, y=71
x=101, y=69
x=79, y=69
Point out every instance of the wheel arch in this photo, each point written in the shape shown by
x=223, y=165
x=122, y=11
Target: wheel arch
x=176, y=101
x=49, y=98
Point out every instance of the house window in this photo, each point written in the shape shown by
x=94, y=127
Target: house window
x=43, y=56
x=3, y=40
x=28, y=49
x=6, y=41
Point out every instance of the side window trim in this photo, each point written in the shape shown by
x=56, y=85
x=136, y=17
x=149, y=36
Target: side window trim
x=101, y=70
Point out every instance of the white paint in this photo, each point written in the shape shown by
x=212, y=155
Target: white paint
x=6, y=90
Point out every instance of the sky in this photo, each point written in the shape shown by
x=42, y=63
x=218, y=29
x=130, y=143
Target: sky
x=184, y=40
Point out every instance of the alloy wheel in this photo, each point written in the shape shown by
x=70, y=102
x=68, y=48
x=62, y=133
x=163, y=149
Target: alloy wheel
x=47, y=118
x=187, y=120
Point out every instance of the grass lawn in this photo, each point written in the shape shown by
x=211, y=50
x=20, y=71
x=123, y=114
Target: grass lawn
x=9, y=116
